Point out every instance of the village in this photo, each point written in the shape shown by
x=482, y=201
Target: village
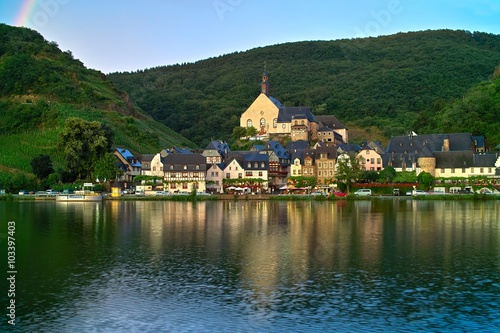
x=314, y=147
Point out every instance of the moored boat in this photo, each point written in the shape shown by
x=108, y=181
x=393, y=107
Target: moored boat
x=85, y=194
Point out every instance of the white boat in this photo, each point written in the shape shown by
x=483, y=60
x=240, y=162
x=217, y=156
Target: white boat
x=85, y=194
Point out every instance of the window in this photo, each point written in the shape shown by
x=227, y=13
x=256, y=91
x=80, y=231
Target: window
x=185, y=167
x=213, y=174
x=452, y=170
x=256, y=165
x=173, y=185
x=294, y=171
x=217, y=182
x=260, y=173
x=481, y=170
x=196, y=174
x=262, y=122
x=173, y=174
x=463, y=170
x=216, y=173
x=184, y=174
x=442, y=170
x=154, y=168
x=240, y=175
x=249, y=123
x=161, y=168
x=171, y=167
x=197, y=167
x=184, y=186
x=228, y=175
x=249, y=174
x=275, y=122
x=319, y=173
x=372, y=160
x=283, y=126
x=378, y=160
x=249, y=165
x=262, y=165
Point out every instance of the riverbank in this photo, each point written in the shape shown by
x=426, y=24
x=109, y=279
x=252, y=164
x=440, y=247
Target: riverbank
x=11, y=197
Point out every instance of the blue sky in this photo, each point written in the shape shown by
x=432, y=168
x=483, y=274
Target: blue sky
x=127, y=35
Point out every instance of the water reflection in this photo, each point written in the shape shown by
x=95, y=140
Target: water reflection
x=269, y=266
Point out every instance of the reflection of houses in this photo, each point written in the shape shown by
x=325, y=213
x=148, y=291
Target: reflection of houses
x=441, y=155
x=128, y=163
x=270, y=117
x=185, y=172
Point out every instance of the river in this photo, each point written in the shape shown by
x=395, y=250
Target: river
x=381, y=265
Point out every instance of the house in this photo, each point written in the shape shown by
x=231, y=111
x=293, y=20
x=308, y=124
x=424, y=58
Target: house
x=146, y=163
x=216, y=152
x=441, y=155
x=270, y=117
x=215, y=176
x=372, y=159
x=128, y=163
x=329, y=136
x=330, y=122
x=185, y=172
x=325, y=161
x=250, y=169
x=279, y=163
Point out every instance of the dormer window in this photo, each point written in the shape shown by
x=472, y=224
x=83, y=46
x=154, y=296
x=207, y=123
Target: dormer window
x=185, y=167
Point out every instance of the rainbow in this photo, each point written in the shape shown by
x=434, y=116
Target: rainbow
x=25, y=13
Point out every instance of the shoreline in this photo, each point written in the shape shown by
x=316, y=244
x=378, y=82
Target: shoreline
x=266, y=197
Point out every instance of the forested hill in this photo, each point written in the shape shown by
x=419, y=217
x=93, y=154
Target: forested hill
x=380, y=84
x=41, y=86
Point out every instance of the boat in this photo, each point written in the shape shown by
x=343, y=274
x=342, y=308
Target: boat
x=86, y=194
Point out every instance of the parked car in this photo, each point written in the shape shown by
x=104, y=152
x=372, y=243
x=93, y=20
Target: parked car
x=420, y=192
x=363, y=192
x=202, y=193
x=23, y=192
x=162, y=193
x=318, y=193
x=339, y=194
x=139, y=193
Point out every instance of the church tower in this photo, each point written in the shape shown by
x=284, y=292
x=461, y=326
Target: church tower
x=265, y=83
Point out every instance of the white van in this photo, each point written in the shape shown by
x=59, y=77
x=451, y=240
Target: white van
x=363, y=192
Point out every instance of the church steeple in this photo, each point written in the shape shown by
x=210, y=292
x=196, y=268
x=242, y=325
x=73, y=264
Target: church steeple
x=265, y=83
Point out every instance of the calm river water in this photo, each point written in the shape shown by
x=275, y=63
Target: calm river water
x=255, y=266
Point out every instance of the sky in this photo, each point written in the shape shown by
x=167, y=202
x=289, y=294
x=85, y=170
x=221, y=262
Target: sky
x=130, y=35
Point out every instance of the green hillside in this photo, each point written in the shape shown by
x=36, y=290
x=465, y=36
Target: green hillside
x=41, y=87
x=377, y=86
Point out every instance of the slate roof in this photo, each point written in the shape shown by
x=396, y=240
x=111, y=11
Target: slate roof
x=221, y=147
x=427, y=144
x=129, y=157
x=294, y=146
x=179, y=160
x=349, y=147
x=330, y=121
x=275, y=102
x=285, y=115
x=277, y=148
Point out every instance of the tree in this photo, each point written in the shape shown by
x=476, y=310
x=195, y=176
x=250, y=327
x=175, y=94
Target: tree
x=239, y=132
x=387, y=175
x=83, y=143
x=425, y=179
x=251, y=131
x=349, y=169
x=106, y=169
x=41, y=166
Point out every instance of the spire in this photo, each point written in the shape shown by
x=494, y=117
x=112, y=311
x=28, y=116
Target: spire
x=265, y=83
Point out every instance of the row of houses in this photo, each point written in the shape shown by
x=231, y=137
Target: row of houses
x=266, y=168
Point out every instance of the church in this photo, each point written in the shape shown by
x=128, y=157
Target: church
x=271, y=118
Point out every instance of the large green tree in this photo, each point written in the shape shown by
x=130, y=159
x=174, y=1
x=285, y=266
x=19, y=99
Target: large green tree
x=41, y=166
x=106, y=169
x=83, y=143
x=349, y=169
